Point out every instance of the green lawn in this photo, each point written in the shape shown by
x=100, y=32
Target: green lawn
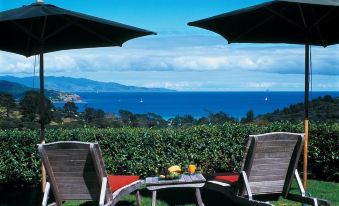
x=325, y=190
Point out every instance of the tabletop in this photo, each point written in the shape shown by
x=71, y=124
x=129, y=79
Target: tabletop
x=183, y=179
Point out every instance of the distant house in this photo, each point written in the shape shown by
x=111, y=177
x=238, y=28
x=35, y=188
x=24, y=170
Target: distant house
x=71, y=98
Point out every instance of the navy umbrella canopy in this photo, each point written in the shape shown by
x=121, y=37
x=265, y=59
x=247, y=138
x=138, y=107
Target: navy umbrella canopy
x=307, y=22
x=310, y=22
x=40, y=28
x=44, y=27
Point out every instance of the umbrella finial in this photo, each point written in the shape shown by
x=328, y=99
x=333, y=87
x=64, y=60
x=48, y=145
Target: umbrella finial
x=40, y=1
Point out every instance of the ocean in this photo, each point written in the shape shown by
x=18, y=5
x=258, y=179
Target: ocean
x=197, y=104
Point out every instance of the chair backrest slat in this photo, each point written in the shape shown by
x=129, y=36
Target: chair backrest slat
x=73, y=171
x=270, y=160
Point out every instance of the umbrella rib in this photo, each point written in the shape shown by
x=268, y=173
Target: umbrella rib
x=318, y=27
x=322, y=18
x=61, y=28
x=257, y=25
x=285, y=18
x=43, y=29
x=252, y=28
x=28, y=38
x=302, y=16
x=25, y=30
x=95, y=33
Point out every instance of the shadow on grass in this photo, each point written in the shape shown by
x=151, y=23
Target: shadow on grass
x=176, y=197
x=169, y=197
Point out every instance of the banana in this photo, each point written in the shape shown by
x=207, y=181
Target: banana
x=174, y=168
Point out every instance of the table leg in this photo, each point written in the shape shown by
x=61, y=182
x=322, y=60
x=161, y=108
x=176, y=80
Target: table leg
x=138, y=198
x=198, y=196
x=154, y=197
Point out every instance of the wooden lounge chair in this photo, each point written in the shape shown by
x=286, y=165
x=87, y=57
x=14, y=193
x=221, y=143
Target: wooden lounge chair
x=76, y=172
x=268, y=168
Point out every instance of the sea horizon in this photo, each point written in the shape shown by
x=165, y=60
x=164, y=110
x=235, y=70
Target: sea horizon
x=195, y=103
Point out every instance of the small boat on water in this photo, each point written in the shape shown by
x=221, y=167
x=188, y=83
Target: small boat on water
x=266, y=99
x=141, y=101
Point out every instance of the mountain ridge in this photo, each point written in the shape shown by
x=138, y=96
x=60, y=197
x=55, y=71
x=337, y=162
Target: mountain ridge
x=18, y=90
x=70, y=84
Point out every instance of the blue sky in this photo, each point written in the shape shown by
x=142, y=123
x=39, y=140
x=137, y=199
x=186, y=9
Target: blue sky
x=180, y=57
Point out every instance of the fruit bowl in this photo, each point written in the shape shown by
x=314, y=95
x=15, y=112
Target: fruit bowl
x=173, y=172
x=171, y=176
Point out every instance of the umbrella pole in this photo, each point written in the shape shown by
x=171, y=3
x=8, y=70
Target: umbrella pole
x=42, y=115
x=307, y=72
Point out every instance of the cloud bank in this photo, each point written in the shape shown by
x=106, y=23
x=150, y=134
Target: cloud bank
x=195, y=53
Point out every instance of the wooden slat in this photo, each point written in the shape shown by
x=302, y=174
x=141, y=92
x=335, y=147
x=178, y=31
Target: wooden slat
x=271, y=149
x=272, y=171
x=276, y=143
x=188, y=178
x=76, y=180
x=267, y=186
x=269, y=166
x=78, y=188
x=71, y=196
x=68, y=152
x=75, y=174
x=82, y=169
x=184, y=179
x=76, y=163
x=267, y=183
x=281, y=136
x=66, y=145
x=286, y=155
x=271, y=161
x=61, y=157
x=269, y=177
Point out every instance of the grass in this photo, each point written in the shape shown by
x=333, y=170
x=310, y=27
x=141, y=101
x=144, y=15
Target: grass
x=319, y=189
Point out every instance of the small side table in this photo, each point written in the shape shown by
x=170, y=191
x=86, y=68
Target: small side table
x=196, y=181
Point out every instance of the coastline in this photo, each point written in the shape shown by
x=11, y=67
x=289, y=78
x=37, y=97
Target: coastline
x=196, y=104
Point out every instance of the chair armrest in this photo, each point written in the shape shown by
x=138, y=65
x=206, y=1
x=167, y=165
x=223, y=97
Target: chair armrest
x=300, y=185
x=303, y=198
x=247, y=185
x=45, y=198
x=103, y=191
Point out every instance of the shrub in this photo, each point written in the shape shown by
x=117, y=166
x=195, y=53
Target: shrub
x=142, y=150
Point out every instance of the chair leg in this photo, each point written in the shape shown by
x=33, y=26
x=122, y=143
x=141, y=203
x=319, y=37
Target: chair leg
x=308, y=200
x=198, y=196
x=138, y=198
x=248, y=202
x=154, y=197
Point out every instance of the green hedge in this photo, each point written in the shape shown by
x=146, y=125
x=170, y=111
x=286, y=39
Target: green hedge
x=142, y=151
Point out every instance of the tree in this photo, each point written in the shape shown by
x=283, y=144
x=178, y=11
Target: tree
x=99, y=114
x=183, y=120
x=128, y=118
x=70, y=109
x=220, y=118
x=30, y=107
x=8, y=102
x=249, y=117
x=89, y=114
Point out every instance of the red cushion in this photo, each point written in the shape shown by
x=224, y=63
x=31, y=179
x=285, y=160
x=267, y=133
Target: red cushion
x=118, y=181
x=230, y=179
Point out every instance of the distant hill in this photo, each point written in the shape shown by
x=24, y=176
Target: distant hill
x=68, y=84
x=13, y=88
x=321, y=109
x=18, y=90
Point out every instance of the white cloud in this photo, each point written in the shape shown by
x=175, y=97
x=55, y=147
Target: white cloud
x=184, y=85
x=265, y=85
x=166, y=54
